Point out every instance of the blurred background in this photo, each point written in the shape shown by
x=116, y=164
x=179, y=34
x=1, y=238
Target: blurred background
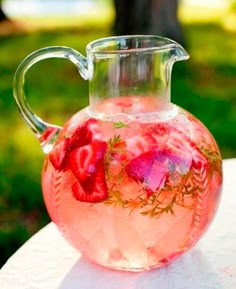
x=205, y=85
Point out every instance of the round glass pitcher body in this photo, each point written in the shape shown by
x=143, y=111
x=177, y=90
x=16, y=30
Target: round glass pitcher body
x=132, y=194
x=132, y=181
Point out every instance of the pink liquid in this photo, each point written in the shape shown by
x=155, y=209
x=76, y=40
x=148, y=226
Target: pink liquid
x=159, y=187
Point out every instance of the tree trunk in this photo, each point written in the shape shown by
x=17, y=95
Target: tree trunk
x=3, y=16
x=158, y=17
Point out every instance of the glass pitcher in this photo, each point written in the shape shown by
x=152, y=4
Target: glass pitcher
x=132, y=181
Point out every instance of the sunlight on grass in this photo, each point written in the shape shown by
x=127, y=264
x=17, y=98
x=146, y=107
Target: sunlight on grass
x=99, y=19
x=192, y=14
x=229, y=22
x=224, y=16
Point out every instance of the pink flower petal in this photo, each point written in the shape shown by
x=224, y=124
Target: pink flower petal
x=157, y=176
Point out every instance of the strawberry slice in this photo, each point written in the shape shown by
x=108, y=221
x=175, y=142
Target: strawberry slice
x=58, y=154
x=94, y=189
x=93, y=132
x=140, y=144
x=86, y=160
x=83, y=160
x=85, y=134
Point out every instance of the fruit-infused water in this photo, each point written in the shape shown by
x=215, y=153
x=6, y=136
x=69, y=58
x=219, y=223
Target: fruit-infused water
x=132, y=192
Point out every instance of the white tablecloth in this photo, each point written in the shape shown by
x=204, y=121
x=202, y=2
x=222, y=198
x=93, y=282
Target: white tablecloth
x=47, y=261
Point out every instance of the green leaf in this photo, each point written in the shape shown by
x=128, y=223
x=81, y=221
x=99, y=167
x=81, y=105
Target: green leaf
x=120, y=124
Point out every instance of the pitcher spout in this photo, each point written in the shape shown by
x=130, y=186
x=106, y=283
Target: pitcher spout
x=178, y=53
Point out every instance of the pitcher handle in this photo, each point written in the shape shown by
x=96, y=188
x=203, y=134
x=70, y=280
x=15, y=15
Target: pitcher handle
x=45, y=132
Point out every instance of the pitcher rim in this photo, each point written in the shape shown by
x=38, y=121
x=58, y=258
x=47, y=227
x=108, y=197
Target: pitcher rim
x=91, y=47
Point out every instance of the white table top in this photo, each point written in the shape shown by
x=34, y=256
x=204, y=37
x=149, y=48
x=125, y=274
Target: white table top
x=47, y=261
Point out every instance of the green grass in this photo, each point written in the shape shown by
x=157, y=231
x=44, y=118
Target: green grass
x=205, y=85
